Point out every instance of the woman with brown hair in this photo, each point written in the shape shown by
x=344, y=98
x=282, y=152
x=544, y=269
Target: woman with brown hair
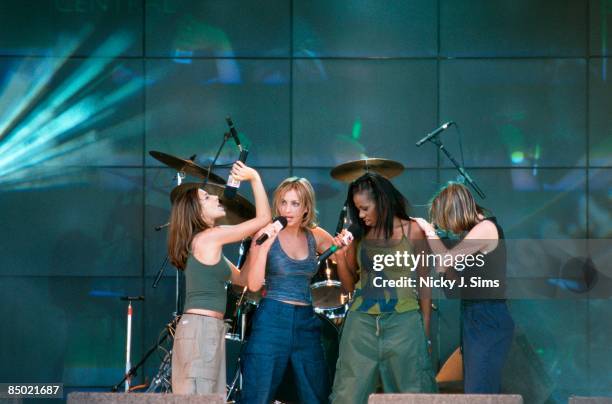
x=486, y=325
x=195, y=246
x=285, y=328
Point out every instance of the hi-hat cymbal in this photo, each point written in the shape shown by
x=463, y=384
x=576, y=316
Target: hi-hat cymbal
x=237, y=209
x=186, y=166
x=354, y=169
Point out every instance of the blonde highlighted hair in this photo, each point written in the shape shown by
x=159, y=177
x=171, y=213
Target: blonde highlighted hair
x=306, y=196
x=454, y=208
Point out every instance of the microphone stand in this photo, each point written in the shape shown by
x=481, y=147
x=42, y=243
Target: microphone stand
x=129, y=370
x=158, y=277
x=436, y=140
x=226, y=136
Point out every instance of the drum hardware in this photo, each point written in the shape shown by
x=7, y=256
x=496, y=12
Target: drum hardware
x=240, y=317
x=161, y=382
x=186, y=167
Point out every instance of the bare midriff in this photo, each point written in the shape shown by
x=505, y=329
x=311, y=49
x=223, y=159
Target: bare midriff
x=204, y=312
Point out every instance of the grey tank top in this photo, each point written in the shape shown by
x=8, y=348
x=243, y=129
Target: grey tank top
x=288, y=278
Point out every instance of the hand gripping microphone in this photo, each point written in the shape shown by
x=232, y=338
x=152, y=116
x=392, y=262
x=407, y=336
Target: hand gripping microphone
x=231, y=188
x=279, y=223
x=346, y=240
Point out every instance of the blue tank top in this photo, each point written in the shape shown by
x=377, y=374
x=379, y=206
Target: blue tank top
x=288, y=278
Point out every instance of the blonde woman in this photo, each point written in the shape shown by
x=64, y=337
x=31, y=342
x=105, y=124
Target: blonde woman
x=486, y=325
x=285, y=328
x=195, y=244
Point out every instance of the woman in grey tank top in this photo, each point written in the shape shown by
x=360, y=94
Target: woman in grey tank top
x=285, y=329
x=195, y=244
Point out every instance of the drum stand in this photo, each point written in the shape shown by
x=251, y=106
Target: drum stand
x=161, y=382
x=235, y=386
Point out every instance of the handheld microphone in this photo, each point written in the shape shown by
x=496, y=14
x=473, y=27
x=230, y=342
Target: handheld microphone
x=233, y=131
x=346, y=240
x=279, y=223
x=434, y=133
x=243, y=252
x=231, y=188
x=325, y=255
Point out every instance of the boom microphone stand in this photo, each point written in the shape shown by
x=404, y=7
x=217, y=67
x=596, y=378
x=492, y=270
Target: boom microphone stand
x=434, y=138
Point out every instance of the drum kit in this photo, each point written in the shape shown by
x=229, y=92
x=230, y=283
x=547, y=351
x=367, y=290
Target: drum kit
x=329, y=300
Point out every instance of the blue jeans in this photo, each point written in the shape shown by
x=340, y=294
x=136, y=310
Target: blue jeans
x=281, y=333
x=487, y=336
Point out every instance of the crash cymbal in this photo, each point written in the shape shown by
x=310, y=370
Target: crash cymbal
x=237, y=209
x=354, y=169
x=186, y=166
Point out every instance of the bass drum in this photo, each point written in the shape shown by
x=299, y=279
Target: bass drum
x=330, y=340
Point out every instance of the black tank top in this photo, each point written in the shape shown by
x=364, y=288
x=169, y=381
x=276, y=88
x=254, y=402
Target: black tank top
x=478, y=278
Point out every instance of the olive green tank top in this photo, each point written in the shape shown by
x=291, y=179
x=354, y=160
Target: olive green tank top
x=371, y=294
x=205, y=284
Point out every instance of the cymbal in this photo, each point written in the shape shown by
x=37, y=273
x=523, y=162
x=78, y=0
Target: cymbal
x=237, y=209
x=354, y=169
x=186, y=166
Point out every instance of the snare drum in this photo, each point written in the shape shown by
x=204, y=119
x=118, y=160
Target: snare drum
x=326, y=290
x=328, y=299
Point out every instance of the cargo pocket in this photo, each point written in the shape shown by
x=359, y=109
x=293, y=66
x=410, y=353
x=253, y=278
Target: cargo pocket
x=205, y=360
x=185, y=344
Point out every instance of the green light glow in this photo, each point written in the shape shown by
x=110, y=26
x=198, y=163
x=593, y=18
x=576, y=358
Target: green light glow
x=356, y=133
x=517, y=157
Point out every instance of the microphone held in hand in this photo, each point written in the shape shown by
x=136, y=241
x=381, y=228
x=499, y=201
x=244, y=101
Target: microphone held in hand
x=346, y=240
x=231, y=188
x=243, y=252
x=325, y=254
x=279, y=223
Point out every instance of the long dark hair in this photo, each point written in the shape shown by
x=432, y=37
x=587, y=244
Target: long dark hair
x=389, y=202
x=185, y=222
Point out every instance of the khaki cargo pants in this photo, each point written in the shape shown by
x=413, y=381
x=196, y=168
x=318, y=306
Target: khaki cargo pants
x=198, y=355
